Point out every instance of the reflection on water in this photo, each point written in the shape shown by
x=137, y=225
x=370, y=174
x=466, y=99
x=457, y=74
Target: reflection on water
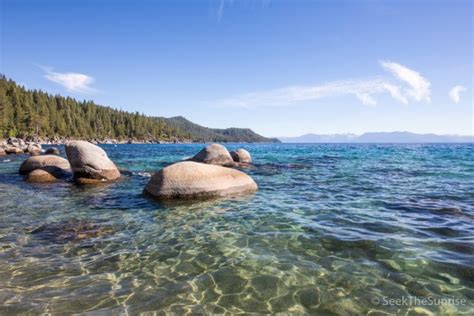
x=334, y=229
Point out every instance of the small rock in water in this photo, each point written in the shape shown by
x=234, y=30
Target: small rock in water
x=241, y=156
x=33, y=149
x=52, y=151
x=214, y=154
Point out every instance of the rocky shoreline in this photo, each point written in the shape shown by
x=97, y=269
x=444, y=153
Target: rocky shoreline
x=33, y=145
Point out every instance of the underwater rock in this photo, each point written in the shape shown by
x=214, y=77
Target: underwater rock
x=241, y=156
x=214, y=154
x=72, y=230
x=90, y=163
x=192, y=180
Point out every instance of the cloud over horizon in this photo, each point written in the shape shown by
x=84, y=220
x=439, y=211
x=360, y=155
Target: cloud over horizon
x=415, y=87
x=72, y=82
x=419, y=87
x=455, y=93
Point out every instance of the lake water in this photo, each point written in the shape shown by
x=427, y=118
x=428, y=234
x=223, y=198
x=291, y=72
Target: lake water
x=334, y=229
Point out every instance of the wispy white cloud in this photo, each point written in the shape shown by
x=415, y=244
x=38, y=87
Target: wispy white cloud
x=362, y=90
x=455, y=93
x=419, y=87
x=72, y=82
x=416, y=88
x=221, y=7
x=220, y=10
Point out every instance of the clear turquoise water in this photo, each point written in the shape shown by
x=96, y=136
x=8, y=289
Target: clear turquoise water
x=334, y=229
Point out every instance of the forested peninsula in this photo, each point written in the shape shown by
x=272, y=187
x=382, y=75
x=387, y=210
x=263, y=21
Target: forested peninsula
x=36, y=114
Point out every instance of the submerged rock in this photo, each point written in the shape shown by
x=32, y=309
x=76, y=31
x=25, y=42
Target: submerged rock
x=90, y=163
x=192, y=180
x=72, y=230
x=241, y=156
x=214, y=154
x=57, y=167
x=52, y=151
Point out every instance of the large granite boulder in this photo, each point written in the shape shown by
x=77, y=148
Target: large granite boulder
x=58, y=167
x=214, y=154
x=192, y=180
x=241, y=156
x=90, y=163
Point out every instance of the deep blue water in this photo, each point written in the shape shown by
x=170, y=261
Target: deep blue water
x=334, y=229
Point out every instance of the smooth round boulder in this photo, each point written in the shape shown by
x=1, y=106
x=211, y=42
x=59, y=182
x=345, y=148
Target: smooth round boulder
x=54, y=165
x=241, y=156
x=40, y=176
x=214, y=154
x=52, y=151
x=192, y=180
x=90, y=163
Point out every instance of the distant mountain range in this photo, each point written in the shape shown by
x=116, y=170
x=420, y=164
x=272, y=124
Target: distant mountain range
x=381, y=137
x=203, y=134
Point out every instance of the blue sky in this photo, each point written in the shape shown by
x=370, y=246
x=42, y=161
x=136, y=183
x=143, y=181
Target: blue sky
x=282, y=68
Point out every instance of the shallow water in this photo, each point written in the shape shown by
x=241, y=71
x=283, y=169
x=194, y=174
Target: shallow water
x=334, y=229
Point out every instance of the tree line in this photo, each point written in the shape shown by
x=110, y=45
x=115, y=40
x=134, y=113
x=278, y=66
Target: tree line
x=26, y=113
x=34, y=112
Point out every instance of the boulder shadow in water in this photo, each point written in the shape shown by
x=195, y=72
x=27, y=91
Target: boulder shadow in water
x=204, y=201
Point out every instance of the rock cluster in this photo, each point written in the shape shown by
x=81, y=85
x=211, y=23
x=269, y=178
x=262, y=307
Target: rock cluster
x=45, y=168
x=214, y=154
x=205, y=175
x=18, y=146
x=86, y=162
x=208, y=174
